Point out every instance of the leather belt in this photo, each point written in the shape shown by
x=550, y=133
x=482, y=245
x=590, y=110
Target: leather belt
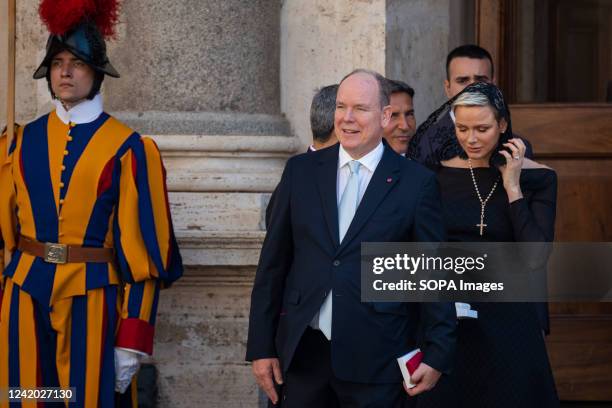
x=62, y=253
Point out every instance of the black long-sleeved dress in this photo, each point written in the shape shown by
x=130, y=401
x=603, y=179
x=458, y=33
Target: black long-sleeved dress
x=501, y=356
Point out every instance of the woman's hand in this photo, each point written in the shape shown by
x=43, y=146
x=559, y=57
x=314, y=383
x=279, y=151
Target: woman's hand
x=511, y=171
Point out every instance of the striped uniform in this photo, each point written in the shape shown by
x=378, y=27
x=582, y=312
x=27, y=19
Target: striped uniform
x=95, y=184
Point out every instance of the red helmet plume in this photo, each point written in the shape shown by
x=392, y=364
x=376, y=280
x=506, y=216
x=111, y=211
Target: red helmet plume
x=62, y=15
x=106, y=17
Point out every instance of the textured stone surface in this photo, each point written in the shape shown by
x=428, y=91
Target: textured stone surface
x=201, y=338
x=225, y=163
x=197, y=55
x=417, y=44
x=205, y=123
x=321, y=41
x=207, y=212
x=32, y=97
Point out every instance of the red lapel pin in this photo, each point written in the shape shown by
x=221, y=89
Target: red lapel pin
x=389, y=179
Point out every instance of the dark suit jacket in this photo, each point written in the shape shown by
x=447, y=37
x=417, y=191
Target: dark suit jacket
x=302, y=260
x=271, y=202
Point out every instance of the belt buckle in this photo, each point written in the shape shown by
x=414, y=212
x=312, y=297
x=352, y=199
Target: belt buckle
x=56, y=253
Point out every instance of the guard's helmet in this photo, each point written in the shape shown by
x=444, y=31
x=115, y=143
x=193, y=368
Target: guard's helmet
x=84, y=42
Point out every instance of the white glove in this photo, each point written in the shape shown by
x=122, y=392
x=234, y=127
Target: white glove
x=127, y=363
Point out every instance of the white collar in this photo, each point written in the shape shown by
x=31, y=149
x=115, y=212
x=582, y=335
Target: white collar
x=369, y=161
x=85, y=112
x=312, y=148
x=452, y=114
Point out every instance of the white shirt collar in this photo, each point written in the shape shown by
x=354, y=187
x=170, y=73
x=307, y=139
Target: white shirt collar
x=369, y=161
x=312, y=148
x=452, y=114
x=85, y=112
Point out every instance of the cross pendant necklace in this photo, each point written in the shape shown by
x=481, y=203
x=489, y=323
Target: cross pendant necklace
x=482, y=224
x=483, y=203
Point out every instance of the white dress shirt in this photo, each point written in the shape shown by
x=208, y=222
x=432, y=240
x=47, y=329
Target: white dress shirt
x=369, y=162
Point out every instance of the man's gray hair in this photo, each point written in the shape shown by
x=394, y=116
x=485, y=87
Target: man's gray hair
x=322, y=112
x=383, y=85
x=475, y=99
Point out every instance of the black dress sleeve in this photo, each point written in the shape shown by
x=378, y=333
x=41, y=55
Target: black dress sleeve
x=533, y=220
x=533, y=216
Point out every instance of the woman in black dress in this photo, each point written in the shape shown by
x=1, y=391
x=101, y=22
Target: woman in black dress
x=492, y=193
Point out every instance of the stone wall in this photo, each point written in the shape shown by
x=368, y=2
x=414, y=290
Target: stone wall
x=321, y=41
x=420, y=33
x=417, y=44
x=197, y=56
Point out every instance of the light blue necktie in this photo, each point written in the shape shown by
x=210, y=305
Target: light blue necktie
x=346, y=211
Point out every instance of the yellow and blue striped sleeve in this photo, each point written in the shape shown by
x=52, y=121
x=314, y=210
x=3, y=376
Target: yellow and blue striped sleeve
x=8, y=220
x=147, y=251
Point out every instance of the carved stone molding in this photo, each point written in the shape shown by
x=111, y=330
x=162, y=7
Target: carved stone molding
x=204, y=163
x=219, y=187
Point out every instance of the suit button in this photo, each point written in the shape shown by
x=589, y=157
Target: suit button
x=336, y=262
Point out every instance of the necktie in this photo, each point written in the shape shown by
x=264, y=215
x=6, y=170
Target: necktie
x=346, y=211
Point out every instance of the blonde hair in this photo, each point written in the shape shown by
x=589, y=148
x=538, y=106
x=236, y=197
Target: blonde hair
x=475, y=99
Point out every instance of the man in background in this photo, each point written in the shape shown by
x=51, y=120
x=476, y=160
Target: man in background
x=322, y=111
x=465, y=65
x=402, y=125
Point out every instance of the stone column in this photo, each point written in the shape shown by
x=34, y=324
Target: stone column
x=184, y=62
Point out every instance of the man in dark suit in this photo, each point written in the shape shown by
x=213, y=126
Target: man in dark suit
x=307, y=324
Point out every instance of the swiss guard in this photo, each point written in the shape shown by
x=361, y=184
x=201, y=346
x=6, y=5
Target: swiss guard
x=84, y=218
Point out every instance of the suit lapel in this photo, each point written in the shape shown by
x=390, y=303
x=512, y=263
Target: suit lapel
x=327, y=174
x=383, y=180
